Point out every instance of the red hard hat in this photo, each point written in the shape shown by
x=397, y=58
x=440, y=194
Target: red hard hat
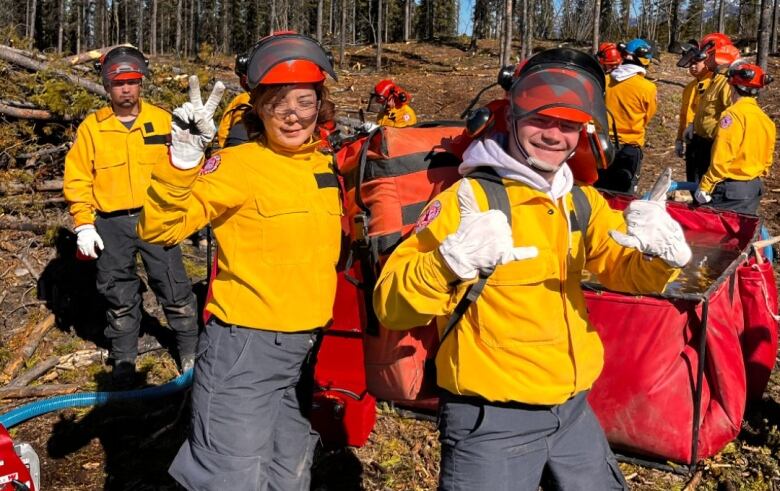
x=609, y=55
x=715, y=40
x=748, y=77
x=725, y=55
x=288, y=58
x=385, y=87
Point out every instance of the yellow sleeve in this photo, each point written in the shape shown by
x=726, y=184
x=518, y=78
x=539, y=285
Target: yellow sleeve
x=412, y=116
x=181, y=202
x=415, y=284
x=224, y=129
x=652, y=96
x=619, y=268
x=685, y=108
x=728, y=139
x=78, y=179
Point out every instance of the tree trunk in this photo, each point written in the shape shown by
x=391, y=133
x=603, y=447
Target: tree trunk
x=140, y=26
x=596, y=24
x=343, y=34
x=153, y=29
x=674, y=24
x=773, y=41
x=378, y=34
x=506, y=50
x=78, y=27
x=320, y=8
x=407, y=20
x=126, y=20
x=272, y=18
x=61, y=25
x=179, y=8
x=764, y=24
x=225, y=26
x=11, y=56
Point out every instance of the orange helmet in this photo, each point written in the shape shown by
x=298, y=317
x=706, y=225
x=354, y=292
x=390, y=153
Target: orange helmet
x=714, y=40
x=122, y=63
x=288, y=58
x=748, y=78
x=725, y=55
x=387, y=89
x=609, y=56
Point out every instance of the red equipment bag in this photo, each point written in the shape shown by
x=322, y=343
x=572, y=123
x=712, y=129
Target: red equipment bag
x=19, y=466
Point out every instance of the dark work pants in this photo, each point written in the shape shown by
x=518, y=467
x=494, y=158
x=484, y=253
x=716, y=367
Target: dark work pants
x=697, y=158
x=251, y=397
x=623, y=174
x=118, y=282
x=515, y=447
x=739, y=196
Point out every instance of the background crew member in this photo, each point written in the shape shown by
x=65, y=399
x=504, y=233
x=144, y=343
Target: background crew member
x=275, y=208
x=693, y=91
x=391, y=102
x=107, y=172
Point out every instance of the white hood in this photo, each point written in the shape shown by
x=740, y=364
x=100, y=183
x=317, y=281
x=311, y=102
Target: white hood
x=624, y=72
x=490, y=152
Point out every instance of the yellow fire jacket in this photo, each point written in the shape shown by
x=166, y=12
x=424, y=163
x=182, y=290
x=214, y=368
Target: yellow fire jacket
x=232, y=115
x=744, y=145
x=632, y=103
x=715, y=99
x=398, y=117
x=690, y=100
x=108, y=168
x=527, y=337
x=277, y=219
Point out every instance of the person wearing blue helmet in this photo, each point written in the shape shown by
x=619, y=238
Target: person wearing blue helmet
x=631, y=101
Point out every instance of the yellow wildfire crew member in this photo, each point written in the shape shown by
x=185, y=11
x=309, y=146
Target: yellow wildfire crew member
x=744, y=146
x=516, y=370
x=238, y=106
x=720, y=53
x=391, y=102
x=276, y=212
x=631, y=100
x=609, y=56
x=107, y=172
x=694, y=61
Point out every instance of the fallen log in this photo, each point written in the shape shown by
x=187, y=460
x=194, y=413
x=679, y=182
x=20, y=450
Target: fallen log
x=37, y=371
x=18, y=188
x=9, y=55
x=91, y=55
x=44, y=152
x=37, y=391
x=32, y=337
x=38, y=228
x=36, y=114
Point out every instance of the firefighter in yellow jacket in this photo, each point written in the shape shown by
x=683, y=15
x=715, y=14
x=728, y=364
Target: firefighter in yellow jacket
x=238, y=106
x=516, y=370
x=107, y=172
x=391, y=103
x=694, y=61
x=744, y=146
x=276, y=212
x=720, y=53
x=631, y=100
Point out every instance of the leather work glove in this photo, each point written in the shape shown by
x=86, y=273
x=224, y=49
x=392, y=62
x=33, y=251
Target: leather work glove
x=679, y=148
x=652, y=230
x=688, y=133
x=483, y=239
x=88, y=242
x=702, y=197
x=193, y=126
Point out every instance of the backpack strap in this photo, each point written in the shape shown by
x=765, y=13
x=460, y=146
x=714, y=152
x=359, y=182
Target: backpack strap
x=498, y=199
x=582, y=211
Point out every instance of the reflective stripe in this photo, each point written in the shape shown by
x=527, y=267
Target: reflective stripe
x=157, y=139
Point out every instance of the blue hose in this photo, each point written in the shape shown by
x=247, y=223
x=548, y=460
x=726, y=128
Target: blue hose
x=35, y=409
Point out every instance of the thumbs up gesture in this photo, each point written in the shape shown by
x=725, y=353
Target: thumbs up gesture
x=652, y=230
x=193, y=125
x=482, y=241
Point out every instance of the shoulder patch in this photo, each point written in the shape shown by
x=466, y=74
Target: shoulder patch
x=407, y=117
x=726, y=121
x=211, y=165
x=428, y=215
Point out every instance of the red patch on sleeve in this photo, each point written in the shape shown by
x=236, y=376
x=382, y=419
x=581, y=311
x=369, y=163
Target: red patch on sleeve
x=428, y=216
x=211, y=165
x=726, y=121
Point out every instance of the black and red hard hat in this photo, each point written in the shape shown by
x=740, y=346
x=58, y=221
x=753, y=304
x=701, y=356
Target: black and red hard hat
x=122, y=63
x=748, y=77
x=609, y=55
x=288, y=58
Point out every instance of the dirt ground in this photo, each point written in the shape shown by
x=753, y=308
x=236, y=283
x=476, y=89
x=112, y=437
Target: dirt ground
x=129, y=446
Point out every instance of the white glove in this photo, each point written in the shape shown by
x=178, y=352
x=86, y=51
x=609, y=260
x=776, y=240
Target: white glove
x=701, y=196
x=483, y=239
x=654, y=232
x=679, y=148
x=88, y=241
x=193, y=126
x=688, y=133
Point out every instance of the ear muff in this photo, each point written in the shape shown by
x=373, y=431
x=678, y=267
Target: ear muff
x=506, y=77
x=594, y=151
x=402, y=98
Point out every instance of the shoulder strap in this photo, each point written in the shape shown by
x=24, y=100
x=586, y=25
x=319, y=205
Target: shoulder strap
x=498, y=199
x=582, y=210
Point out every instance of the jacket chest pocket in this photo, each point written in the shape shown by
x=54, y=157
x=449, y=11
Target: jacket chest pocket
x=287, y=229
x=111, y=174
x=521, y=304
x=153, y=154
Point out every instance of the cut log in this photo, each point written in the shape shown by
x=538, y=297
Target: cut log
x=38, y=228
x=31, y=337
x=17, y=188
x=35, y=372
x=38, y=391
x=12, y=56
x=36, y=114
x=92, y=55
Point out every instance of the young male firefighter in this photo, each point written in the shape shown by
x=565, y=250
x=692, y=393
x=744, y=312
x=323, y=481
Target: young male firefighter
x=694, y=61
x=516, y=370
x=107, y=172
x=718, y=52
x=239, y=105
x=391, y=102
x=609, y=56
x=631, y=101
x=275, y=206
x=744, y=146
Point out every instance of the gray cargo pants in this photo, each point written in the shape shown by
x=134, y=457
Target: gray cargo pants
x=503, y=447
x=119, y=284
x=250, y=401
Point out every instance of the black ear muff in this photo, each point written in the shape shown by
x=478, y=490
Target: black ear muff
x=402, y=97
x=479, y=121
x=506, y=77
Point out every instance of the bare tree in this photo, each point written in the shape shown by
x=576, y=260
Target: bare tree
x=320, y=7
x=343, y=34
x=764, y=24
x=225, y=26
x=179, y=19
x=506, y=38
x=140, y=26
x=61, y=25
x=153, y=29
x=378, y=35
x=407, y=20
x=596, y=19
x=773, y=42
